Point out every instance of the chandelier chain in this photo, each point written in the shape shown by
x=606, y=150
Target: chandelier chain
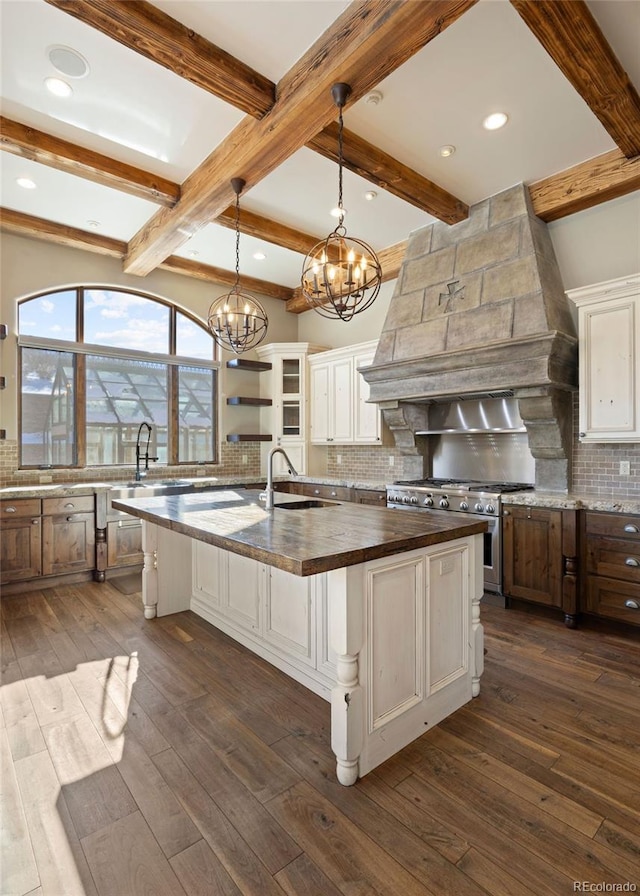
x=236, y=285
x=340, y=154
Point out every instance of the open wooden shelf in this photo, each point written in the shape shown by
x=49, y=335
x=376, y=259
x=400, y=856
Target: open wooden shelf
x=244, y=364
x=248, y=437
x=256, y=402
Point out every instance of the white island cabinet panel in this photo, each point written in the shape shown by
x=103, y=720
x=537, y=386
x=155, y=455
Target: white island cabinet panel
x=289, y=613
x=395, y=615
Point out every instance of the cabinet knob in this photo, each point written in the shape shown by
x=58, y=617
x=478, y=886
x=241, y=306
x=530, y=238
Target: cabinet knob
x=632, y=561
x=582, y=434
x=506, y=513
x=631, y=528
x=10, y=510
x=35, y=522
x=316, y=491
x=632, y=605
x=333, y=494
x=70, y=505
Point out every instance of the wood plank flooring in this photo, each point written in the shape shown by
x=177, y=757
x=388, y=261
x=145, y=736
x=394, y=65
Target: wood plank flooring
x=160, y=758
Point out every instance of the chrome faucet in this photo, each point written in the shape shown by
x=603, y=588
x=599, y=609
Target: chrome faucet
x=267, y=495
x=146, y=455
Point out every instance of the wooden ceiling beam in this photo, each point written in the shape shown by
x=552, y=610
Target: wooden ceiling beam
x=178, y=265
x=380, y=168
x=597, y=180
x=270, y=231
x=30, y=143
x=390, y=260
x=364, y=45
x=144, y=28
x=572, y=37
x=52, y=232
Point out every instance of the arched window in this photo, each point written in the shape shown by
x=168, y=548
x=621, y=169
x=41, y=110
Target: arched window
x=96, y=362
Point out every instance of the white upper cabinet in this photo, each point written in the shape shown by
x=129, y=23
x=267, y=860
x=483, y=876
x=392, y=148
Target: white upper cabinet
x=339, y=410
x=609, y=366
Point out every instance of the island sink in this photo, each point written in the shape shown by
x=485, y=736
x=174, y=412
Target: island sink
x=305, y=505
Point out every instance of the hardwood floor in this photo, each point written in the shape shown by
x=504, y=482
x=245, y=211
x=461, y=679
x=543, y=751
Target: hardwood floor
x=144, y=758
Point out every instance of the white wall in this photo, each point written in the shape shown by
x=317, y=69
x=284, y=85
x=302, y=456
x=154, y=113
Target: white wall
x=364, y=327
x=600, y=243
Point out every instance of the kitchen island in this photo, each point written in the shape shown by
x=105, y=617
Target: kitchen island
x=375, y=611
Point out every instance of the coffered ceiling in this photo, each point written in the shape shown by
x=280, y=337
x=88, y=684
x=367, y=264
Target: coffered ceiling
x=182, y=95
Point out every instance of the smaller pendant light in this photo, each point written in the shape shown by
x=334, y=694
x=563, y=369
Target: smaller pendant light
x=341, y=276
x=237, y=321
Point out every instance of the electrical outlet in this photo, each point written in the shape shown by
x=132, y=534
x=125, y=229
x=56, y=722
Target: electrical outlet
x=392, y=460
x=245, y=459
x=625, y=468
x=338, y=458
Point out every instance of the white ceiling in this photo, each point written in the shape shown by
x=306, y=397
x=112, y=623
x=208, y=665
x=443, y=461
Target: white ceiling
x=133, y=110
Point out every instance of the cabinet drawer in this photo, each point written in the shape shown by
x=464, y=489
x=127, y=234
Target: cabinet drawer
x=613, y=599
x=616, y=525
x=68, y=505
x=369, y=496
x=332, y=492
x=20, y=507
x=617, y=558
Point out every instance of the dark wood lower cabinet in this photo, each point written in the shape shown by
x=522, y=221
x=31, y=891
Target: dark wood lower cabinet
x=124, y=541
x=611, y=565
x=540, y=557
x=68, y=543
x=20, y=549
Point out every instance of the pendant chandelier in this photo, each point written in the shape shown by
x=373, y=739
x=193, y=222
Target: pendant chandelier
x=237, y=321
x=341, y=275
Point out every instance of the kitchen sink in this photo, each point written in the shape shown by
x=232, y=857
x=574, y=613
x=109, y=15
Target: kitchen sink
x=152, y=487
x=305, y=504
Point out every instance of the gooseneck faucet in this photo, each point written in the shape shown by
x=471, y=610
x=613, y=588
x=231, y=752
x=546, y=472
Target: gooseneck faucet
x=267, y=495
x=146, y=455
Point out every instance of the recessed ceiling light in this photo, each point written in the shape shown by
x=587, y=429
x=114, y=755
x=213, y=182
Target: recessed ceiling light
x=373, y=98
x=68, y=62
x=337, y=211
x=447, y=150
x=93, y=224
x=259, y=256
x=58, y=87
x=494, y=121
x=26, y=183
x=370, y=195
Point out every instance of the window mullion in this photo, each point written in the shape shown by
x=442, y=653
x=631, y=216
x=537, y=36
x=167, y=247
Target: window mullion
x=81, y=410
x=173, y=415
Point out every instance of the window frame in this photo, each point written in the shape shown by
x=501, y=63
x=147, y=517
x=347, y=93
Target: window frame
x=80, y=350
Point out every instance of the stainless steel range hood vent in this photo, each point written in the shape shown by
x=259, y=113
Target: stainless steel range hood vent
x=488, y=415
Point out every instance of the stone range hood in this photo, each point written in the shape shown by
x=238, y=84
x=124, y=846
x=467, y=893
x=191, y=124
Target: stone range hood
x=479, y=309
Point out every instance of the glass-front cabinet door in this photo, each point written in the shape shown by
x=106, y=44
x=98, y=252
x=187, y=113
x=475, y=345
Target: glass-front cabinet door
x=286, y=385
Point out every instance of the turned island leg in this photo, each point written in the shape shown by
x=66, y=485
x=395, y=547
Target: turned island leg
x=346, y=633
x=150, y=569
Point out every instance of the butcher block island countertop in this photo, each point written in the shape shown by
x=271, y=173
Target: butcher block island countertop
x=376, y=610
x=300, y=541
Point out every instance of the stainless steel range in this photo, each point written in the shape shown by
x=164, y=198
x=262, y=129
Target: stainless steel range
x=481, y=499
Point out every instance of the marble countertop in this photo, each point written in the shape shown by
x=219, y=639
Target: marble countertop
x=302, y=541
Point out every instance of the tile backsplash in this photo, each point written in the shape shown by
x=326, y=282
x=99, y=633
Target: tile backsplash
x=230, y=465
